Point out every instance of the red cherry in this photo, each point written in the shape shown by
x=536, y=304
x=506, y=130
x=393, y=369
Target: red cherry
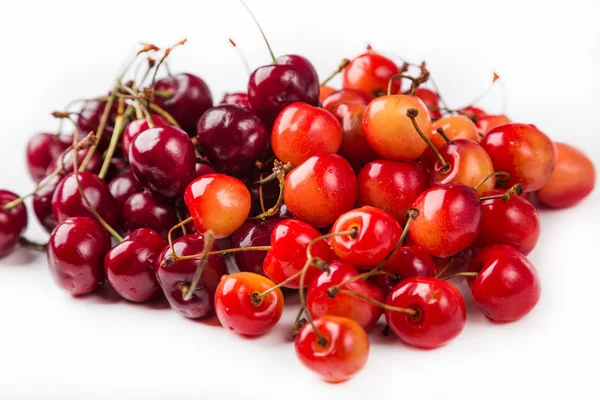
x=449, y=219
x=355, y=147
x=89, y=119
x=42, y=149
x=76, y=251
x=507, y=286
x=240, y=311
x=218, y=203
x=42, y=203
x=392, y=186
x=406, y=262
x=347, y=96
x=321, y=189
x=573, y=178
x=439, y=317
x=129, y=266
x=66, y=162
x=12, y=222
x=136, y=127
x=343, y=354
x=523, y=151
x=325, y=91
x=473, y=113
x=238, y=99
x=177, y=278
x=253, y=233
x=302, y=131
x=203, y=169
x=371, y=72
x=319, y=303
x=431, y=100
x=486, y=123
x=141, y=210
x=123, y=186
x=287, y=256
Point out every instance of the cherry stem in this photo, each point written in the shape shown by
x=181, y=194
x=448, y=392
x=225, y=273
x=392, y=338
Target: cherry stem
x=162, y=59
x=140, y=110
x=242, y=57
x=412, y=113
x=101, y=127
x=33, y=245
x=504, y=176
x=467, y=274
x=261, y=196
x=339, y=69
x=333, y=291
x=443, y=270
x=393, y=78
x=443, y=134
x=174, y=256
x=516, y=189
x=209, y=239
x=277, y=167
x=261, y=32
x=299, y=323
x=408, y=311
x=279, y=171
x=160, y=111
x=114, y=140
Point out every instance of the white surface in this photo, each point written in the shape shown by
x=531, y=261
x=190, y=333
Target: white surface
x=548, y=55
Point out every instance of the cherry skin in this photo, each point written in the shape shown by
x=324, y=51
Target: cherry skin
x=486, y=123
x=355, y=147
x=67, y=201
x=431, y=100
x=325, y=91
x=473, y=113
x=90, y=116
x=406, y=262
x=66, y=162
x=449, y=219
x=42, y=203
x=573, y=178
x=440, y=312
x=218, y=203
x=347, y=96
x=523, y=151
x=129, y=266
x=237, y=99
x=76, y=251
x=136, y=127
x=455, y=127
x=319, y=303
x=163, y=160
x=189, y=97
x=302, y=131
x=391, y=186
x=142, y=210
x=289, y=240
x=178, y=277
x=253, y=233
x=514, y=222
x=507, y=287
x=232, y=138
x=271, y=88
x=321, y=189
x=203, y=169
x=371, y=72
x=343, y=355
x=389, y=130
x=123, y=186
x=12, y=222
x=42, y=149
x=237, y=309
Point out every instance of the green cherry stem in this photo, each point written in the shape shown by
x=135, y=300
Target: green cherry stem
x=209, y=239
x=261, y=32
x=339, y=69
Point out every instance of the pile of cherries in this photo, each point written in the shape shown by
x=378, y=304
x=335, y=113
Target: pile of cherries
x=368, y=199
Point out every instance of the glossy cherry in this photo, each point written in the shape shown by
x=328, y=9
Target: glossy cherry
x=42, y=203
x=507, y=286
x=129, y=266
x=123, y=186
x=347, y=96
x=321, y=189
x=239, y=311
x=253, y=233
x=232, y=139
x=406, y=262
x=142, y=210
x=12, y=222
x=42, y=149
x=136, y=127
x=439, y=317
x=355, y=147
x=177, y=277
x=431, y=100
x=473, y=113
x=90, y=116
x=76, y=251
x=203, y=169
x=371, y=72
x=238, y=99
x=486, y=123
x=344, y=353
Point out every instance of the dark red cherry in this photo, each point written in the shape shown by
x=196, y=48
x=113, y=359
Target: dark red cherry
x=12, y=222
x=42, y=149
x=89, y=120
x=123, y=186
x=76, y=251
x=431, y=100
x=163, y=161
x=92, y=166
x=129, y=266
x=42, y=203
x=203, y=169
x=347, y=96
x=232, y=138
x=136, y=127
x=406, y=262
x=238, y=99
x=178, y=277
x=142, y=210
x=188, y=98
x=67, y=201
x=253, y=233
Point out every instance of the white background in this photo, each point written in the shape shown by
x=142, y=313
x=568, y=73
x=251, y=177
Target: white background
x=99, y=347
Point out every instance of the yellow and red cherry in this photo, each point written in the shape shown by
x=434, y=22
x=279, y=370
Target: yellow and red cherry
x=486, y=123
x=371, y=72
x=346, y=96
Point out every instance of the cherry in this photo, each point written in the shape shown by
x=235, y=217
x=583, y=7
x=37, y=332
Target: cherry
x=90, y=117
x=123, y=186
x=287, y=257
x=391, y=186
x=238, y=99
x=42, y=149
x=391, y=132
x=573, y=178
x=240, y=310
x=355, y=147
x=218, y=203
x=175, y=279
x=486, y=123
x=65, y=160
x=524, y=152
x=188, y=98
x=454, y=127
x=142, y=210
x=474, y=113
x=302, y=131
x=232, y=138
x=449, y=219
x=514, y=222
x=341, y=355
x=163, y=160
x=76, y=251
x=136, y=127
x=432, y=100
x=371, y=72
x=507, y=286
x=320, y=303
x=12, y=222
x=270, y=189
x=325, y=91
x=203, y=169
x=346, y=96
x=67, y=201
x=42, y=203
x=253, y=233
x=321, y=189
x=406, y=262
x=129, y=266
